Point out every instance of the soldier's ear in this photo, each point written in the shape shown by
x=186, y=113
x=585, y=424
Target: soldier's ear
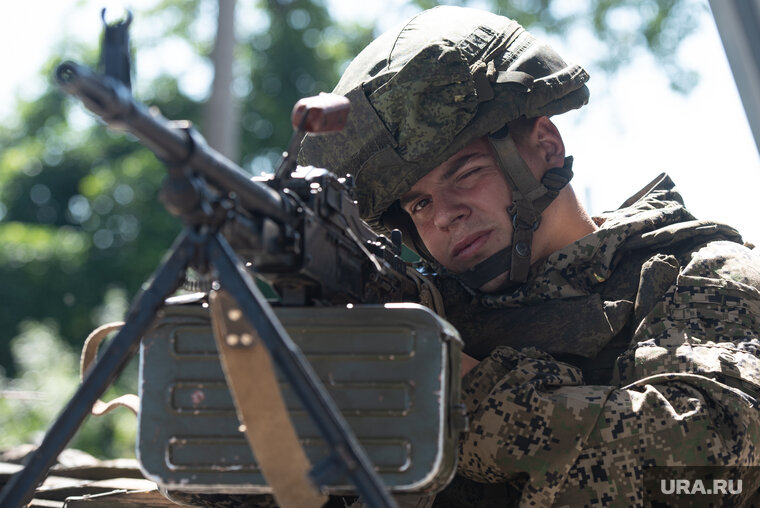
x=547, y=138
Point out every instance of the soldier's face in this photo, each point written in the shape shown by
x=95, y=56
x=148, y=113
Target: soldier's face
x=460, y=208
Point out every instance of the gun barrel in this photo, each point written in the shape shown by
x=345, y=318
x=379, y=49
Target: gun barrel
x=172, y=142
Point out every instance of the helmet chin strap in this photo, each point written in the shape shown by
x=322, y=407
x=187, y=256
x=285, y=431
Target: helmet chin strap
x=529, y=198
x=486, y=270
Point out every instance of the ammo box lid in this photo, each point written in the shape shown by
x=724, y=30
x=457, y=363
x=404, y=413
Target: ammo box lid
x=392, y=370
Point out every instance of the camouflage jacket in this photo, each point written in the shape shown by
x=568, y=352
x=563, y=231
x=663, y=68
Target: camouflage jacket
x=636, y=346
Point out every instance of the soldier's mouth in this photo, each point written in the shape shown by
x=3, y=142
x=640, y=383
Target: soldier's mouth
x=469, y=246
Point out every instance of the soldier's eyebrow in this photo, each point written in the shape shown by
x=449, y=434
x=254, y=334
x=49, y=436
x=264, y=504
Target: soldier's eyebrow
x=447, y=175
x=458, y=163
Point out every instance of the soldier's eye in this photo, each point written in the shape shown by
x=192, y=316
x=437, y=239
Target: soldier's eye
x=468, y=173
x=419, y=205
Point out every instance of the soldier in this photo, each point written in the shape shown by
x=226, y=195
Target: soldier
x=596, y=348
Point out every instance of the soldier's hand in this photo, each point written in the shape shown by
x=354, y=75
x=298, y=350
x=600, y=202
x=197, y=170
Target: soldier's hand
x=468, y=362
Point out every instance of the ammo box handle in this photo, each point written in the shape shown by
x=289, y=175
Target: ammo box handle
x=89, y=353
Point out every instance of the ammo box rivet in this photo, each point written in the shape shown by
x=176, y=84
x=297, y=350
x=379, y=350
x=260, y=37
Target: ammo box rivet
x=233, y=339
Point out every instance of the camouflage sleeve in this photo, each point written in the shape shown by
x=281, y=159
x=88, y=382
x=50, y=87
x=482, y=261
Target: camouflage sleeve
x=528, y=415
x=582, y=445
x=678, y=403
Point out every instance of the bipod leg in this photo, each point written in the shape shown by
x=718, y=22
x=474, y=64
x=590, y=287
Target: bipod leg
x=342, y=443
x=165, y=281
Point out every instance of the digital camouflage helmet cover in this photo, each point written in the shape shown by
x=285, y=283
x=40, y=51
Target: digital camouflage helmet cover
x=423, y=91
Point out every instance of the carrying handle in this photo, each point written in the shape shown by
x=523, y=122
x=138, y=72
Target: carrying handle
x=89, y=353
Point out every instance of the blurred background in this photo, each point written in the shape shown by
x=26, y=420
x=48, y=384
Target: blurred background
x=80, y=224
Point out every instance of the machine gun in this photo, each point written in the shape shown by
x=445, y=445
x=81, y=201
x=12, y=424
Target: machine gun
x=299, y=231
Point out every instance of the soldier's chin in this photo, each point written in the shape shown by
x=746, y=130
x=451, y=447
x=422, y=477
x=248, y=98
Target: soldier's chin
x=496, y=284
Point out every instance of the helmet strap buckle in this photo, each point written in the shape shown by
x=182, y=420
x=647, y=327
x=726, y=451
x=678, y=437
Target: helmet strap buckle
x=523, y=217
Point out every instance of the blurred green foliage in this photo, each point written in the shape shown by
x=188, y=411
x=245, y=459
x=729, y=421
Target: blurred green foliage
x=80, y=220
x=48, y=373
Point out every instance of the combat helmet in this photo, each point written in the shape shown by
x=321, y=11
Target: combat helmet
x=421, y=92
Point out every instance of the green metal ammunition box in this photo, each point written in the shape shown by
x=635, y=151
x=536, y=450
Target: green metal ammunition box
x=393, y=371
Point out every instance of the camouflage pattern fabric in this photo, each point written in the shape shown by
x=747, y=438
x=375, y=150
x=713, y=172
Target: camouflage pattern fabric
x=682, y=378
